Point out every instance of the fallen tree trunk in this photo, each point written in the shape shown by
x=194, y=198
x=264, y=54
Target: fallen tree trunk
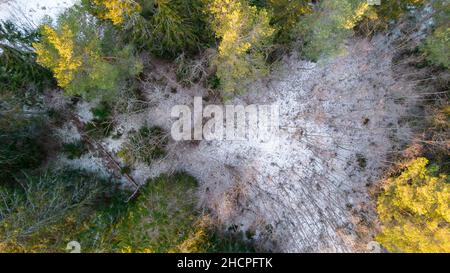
x=109, y=160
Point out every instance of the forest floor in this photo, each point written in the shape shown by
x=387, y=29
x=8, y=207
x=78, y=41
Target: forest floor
x=307, y=190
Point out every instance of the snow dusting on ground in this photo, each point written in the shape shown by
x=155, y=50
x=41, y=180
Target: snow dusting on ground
x=30, y=13
x=307, y=189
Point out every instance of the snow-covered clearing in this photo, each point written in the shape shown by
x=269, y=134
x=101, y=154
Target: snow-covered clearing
x=30, y=13
x=306, y=190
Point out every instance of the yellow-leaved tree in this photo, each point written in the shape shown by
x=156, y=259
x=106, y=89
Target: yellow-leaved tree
x=118, y=11
x=84, y=56
x=414, y=210
x=245, y=35
x=56, y=52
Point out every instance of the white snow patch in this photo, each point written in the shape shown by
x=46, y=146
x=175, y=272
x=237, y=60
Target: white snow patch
x=68, y=133
x=83, y=111
x=31, y=13
x=88, y=162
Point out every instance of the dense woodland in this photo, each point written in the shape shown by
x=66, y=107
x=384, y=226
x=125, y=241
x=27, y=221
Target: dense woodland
x=102, y=50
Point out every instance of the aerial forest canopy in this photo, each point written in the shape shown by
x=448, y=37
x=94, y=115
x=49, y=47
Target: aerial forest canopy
x=86, y=153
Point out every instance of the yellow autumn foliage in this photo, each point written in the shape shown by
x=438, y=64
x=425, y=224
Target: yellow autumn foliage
x=129, y=249
x=198, y=239
x=359, y=12
x=244, y=32
x=117, y=10
x=414, y=210
x=83, y=57
x=56, y=53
